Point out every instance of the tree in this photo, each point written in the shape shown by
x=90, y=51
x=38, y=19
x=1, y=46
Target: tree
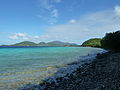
x=111, y=41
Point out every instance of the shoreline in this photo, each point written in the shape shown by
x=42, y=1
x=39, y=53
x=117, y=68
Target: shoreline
x=103, y=73
x=64, y=72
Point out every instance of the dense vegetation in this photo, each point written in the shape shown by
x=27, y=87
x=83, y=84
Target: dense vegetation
x=111, y=41
x=95, y=42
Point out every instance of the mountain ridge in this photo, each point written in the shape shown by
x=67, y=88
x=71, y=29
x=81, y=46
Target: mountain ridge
x=52, y=43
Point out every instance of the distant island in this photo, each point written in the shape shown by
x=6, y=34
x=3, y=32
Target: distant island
x=53, y=43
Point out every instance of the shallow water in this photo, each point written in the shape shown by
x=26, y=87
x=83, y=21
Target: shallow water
x=24, y=65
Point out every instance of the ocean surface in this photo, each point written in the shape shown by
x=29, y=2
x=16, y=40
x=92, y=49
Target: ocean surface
x=30, y=65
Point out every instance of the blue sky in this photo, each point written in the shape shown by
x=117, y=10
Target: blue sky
x=64, y=20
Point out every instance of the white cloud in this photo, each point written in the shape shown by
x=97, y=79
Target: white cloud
x=18, y=35
x=88, y=26
x=72, y=21
x=117, y=10
x=45, y=4
x=48, y=8
x=55, y=13
x=48, y=4
x=23, y=36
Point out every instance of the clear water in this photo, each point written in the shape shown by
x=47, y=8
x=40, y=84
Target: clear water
x=19, y=66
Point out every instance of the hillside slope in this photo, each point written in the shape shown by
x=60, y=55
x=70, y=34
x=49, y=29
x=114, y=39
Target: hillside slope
x=94, y=42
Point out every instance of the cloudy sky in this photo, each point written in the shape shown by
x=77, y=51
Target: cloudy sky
x=64, y=20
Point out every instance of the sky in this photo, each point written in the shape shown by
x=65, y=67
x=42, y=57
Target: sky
x=57, y=20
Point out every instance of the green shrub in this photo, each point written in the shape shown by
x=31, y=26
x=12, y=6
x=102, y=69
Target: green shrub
x=111, y=41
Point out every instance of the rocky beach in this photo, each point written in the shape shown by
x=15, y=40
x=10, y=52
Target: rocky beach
x=103, y=73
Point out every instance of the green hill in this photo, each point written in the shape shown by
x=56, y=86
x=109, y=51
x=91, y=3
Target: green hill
x=53, y=43
x=94, y=42
x=59, y=43
x=25, y=43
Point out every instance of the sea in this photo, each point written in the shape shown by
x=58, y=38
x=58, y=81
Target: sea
x=20, y=66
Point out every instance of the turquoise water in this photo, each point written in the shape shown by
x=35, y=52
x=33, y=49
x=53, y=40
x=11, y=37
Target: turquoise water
x=19, y=66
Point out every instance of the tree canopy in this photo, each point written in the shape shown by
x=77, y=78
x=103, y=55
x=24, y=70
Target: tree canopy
x=111, y=41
